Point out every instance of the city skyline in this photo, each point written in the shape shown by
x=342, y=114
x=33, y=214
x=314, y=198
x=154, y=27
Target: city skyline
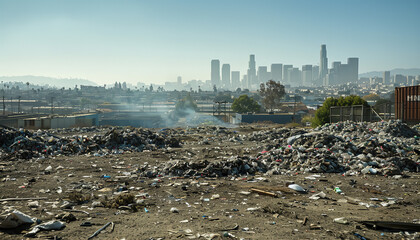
x=157, y=41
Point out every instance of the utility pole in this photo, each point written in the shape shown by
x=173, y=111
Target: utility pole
x=52, y=105
x=19, y=104
x=294, y=109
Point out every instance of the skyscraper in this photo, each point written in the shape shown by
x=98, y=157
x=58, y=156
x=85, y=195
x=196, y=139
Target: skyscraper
x=353, y=73
x=226, y=76
x=235, y=80
x=315, y=76
x=215, y=72
x=285, y=73
x=277, y=72
x=323, y=62
x=387, y=77
x=262, y=74
x=307, y=75
x=252, y=72
x=294, y=76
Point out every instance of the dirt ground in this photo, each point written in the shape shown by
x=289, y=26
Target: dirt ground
x=206, y=208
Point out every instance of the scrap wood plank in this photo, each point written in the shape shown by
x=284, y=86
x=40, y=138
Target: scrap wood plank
x=262, y=192
x=272, y=188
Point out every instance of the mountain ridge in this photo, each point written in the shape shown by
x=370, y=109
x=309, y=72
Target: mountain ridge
x=403, y=71
x=51, y=81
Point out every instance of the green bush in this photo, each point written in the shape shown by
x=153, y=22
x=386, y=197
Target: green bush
x=322, y=115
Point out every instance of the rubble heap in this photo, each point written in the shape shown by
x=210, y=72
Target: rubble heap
x=25, y=144
x=386, y=148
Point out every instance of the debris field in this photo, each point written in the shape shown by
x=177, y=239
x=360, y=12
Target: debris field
x=259, y=181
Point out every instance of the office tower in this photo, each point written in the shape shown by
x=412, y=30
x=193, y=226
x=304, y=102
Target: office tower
x=399, y=79
x=387, y=77
x=262, y=74
x=285, y=73
x=244, y=82
x=235, y=80
x=323, y=62
x=335, y=74
x=277, y=72
x=252, y=72
x=315, y=76
x=215, y=72
x=226, y=76
x=294, y=77
x=353, y=72
x=307, y=75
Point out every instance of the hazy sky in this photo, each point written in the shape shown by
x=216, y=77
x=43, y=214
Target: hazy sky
x=155, y=41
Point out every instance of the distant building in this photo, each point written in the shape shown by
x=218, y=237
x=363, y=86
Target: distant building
x=387, y=77
x=277, y=72
x=323, y=67
x=226, y=76
x=235, y=80
x=343, y=73
x=400, y=79
x=285, y=76
x=244, y=82
x=294, y=77
x=262, y=74
x=315, y=76
x=307, y=75
x=215, y=72
x=252, y=72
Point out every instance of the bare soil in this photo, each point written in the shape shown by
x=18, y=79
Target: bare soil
x=289, y=215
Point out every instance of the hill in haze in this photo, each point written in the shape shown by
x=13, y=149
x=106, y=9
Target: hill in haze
x=403, y=71
x=53, y=82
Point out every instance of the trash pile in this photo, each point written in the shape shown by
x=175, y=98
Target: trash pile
x=25, y=144
x=386, y=148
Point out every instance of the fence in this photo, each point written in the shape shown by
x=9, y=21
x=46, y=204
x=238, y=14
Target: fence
x=360, y=113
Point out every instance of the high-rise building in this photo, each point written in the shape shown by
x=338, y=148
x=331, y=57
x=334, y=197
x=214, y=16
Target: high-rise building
x=307, y=75
x=315, y=76
x=353, y=73
x=235, y=80
x=400, y=79
x=387, y=77
x=262, y=74
x=252, y=72
x=343, y=73
x=285, y=73
x=215, y=72
x=226, y=76
x=294, y=76
x=277, y=72
x=323, y=62
x=244, y=82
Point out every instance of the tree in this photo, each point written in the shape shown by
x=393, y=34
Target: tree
x=272, y=92
x=245, y=104
x=322, y=115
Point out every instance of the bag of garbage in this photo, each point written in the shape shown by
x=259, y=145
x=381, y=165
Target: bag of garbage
x=51, y=225
x=15, y=219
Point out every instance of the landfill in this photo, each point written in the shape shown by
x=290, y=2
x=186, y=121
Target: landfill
x=254, y=181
